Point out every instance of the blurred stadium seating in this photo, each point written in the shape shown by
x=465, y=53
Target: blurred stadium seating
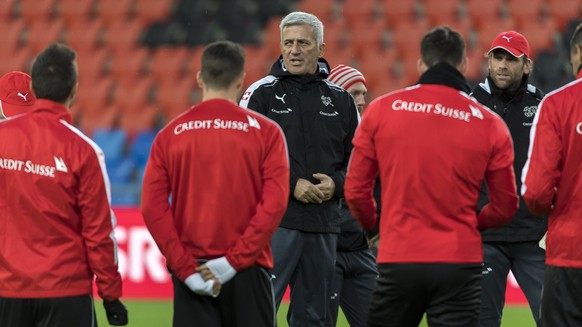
x=138, y=58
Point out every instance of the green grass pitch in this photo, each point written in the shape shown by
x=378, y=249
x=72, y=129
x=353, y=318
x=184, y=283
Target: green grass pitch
x=159, y=314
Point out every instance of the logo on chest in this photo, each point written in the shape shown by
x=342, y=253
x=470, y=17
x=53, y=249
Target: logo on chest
x=530, y=111
x=326, y=101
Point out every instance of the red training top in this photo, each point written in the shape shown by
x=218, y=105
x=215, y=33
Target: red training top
x=432, y=146
x=56, y=223
x=552, y=176
x=227, y=172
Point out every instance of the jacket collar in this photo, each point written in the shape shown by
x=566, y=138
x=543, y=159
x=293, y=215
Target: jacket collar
x=51, y=108
x=579, y=72
x=445, y=74
x=278, y=70
x=505, y=94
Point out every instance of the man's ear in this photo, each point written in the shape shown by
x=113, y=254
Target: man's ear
x=199, y=80
x=322, y=49
x=421, y=67
x=464, y=66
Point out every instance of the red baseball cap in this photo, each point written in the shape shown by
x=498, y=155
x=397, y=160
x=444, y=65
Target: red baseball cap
x=15, y=94
x=512, y=42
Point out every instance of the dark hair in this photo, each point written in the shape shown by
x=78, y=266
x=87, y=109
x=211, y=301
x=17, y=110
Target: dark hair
x=54, y=73
x=442, y=44
x=222, y=63
x=576, y=37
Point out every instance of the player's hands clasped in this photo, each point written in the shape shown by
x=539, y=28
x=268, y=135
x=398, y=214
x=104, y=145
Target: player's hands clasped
x=201, y=286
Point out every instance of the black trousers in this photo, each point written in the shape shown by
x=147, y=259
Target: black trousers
x=527, y=261
x=562, y=297
x=69, y=311
x=245, y=300
x=305, y=262
x=356, y=273
x=448, y=293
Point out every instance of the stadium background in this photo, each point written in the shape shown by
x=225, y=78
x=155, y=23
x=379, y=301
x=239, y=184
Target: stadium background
x=137, y=60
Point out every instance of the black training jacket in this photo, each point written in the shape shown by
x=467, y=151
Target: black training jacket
x=518, y=111
x=319, y=120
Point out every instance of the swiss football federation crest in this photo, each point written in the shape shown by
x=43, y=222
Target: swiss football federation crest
x=326, y=101
x=530, y=111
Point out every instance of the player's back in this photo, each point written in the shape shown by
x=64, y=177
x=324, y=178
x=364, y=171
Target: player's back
x=45, y=164
x=556, y=155
x=215, y=160
x=433, y=145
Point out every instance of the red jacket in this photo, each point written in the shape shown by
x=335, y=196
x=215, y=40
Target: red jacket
x=552, y=176
x=227, y=172
x=432, y=146
x=57, y=224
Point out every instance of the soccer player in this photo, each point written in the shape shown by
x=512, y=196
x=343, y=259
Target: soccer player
x=552, y=185
x=432, y=146
x=227, y=174
x=57, y=223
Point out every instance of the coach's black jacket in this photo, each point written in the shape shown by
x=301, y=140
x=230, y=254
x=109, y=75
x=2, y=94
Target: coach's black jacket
x=518, y=111
x=319, y=120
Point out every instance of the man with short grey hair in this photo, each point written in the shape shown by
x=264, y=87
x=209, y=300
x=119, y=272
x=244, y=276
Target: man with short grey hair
x=319, y=120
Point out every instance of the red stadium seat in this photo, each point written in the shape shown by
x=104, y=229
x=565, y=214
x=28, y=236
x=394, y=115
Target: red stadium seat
x=539, y=34
x=84, y=35
x=168, y=63
x=406, y=38
x=477, y=66
x=480, y=11
x=343, y=56
x=12, y=36
x=563, y=11
x=441, y=12
x=490, y=29
x=129, y=66
x=368, y=36
x=148, y=11
x=112, y=11
x=18, y=60
x=73, y=12
x=524, y=11
x=323, y=9
x=397, y=11
x=133, y=92
x=176, y=97
x=257, y=64
x=377, y=66
x=7, y=10
x=32, y=11
x=42, y=33
x=408, y=71
x=272, y=36
x=91, y=64
x=193, y=62
x=134, y=119
x=122, y=36
x=355, y=11
x=93, y=95
x=98, y=117
x=464, y=27
x=335, y=37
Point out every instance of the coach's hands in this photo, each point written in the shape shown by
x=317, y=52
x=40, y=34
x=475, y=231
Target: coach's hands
x=307, y=192
x=326, y=186
x=116, y=312
x=197, y=284
x=221, y=268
